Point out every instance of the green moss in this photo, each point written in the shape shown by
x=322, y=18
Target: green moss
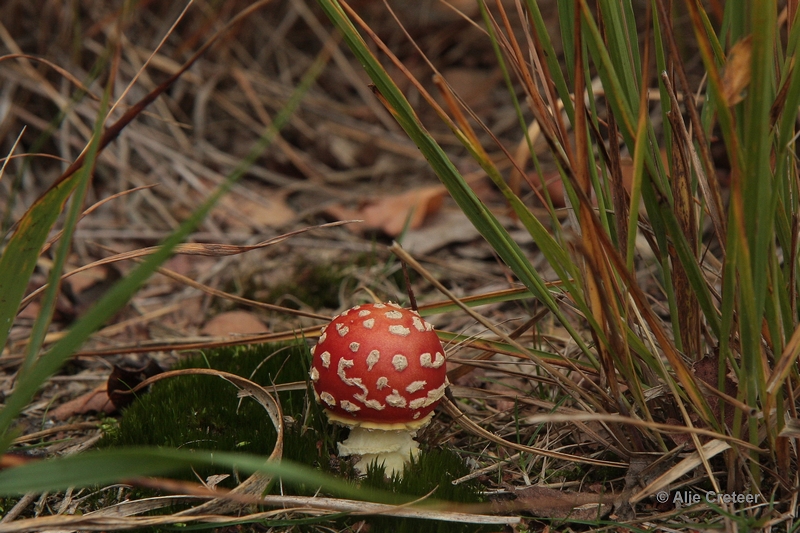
x=319, y=284
x=431, y=473
x=204, y=412
x=315, y=284
x=6, y=504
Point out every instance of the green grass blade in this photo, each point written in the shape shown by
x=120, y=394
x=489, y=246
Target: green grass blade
x=104, y=467
x=82, y=178
x=552, y=58
x=480, y=216
x=113, y=465
x=20, y=256
x=623, y=47
x=758, y=198
x=694, y=273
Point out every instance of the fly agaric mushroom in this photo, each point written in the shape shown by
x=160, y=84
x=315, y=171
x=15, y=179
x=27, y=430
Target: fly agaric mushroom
x=379, y=369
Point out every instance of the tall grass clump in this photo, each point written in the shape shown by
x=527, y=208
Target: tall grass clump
x=688, y=167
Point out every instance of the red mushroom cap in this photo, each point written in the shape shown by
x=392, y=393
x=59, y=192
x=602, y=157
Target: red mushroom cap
x=379, y=366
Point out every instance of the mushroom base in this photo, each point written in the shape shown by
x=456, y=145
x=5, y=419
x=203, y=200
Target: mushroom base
x=393, y=448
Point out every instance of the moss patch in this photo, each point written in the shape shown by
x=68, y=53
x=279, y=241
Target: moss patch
x=431, y=473
x=203, y=412
x=316, y=285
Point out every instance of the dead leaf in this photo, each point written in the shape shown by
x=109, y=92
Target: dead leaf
x=122, y=380
x=447, y=227
x=85, y=287
x=473, y=85
x=737, y=73
x=550, y=503
x=791, y=429
x=214, y=480
x=86, y=279
x=107, y=398
x=234, y=322
x=389, y=213
x=706, y=370
x=555, y=187
x=95, y=401
x=265, y=209
x=30, y=311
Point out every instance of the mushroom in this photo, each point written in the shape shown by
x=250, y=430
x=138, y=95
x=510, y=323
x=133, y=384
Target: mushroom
x=379, y=369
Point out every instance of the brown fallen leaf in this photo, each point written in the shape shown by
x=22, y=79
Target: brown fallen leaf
x=95, y=401
x=233, y=322
x=251, y=207
x=706, y=369
x=439, y=230
x=737, y=73
x=555, y=187
x=86, y=279
x=473, y=85
x=265, y=209
x=86, y=286
x=122, y=380
x=389, y=213
x=550, y=503
x=108, y=397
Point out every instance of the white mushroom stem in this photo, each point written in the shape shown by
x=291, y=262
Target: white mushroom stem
x=393, y=448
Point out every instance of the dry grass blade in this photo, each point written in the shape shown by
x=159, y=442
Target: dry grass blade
x=315, y=506
x=703, y=179
x=61, y=71
x=666, y=428
x=214, y=249
x=111, y=133
x=161, y=345
x=568, y=384
x=596, y=268
x=10, y=156
x=785, y=363
x=36, y=435
x=710, y=187
x=87, y=212
x=637, y=180
x=203, y=249
x=475, y=429
x=709, y=450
